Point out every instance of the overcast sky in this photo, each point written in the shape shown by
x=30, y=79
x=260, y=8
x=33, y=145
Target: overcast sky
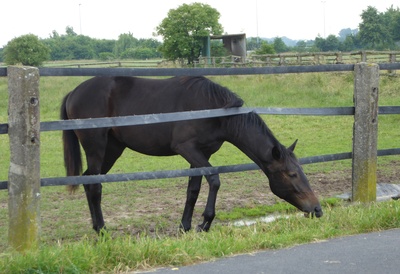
x=107, y=19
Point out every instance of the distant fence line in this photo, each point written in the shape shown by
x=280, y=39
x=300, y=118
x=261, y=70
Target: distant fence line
x=24, y=174
x=252, y=60
x=305, y=59
x=111, y=64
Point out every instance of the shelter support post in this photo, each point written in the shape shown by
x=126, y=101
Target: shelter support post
x=365, y=135
x=24, y=171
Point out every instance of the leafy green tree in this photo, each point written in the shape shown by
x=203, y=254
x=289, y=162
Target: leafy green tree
x=373, y=32
x=184, y=29
x=319, y=43
x=301, y=46
x=106, y=56
x=395, y=28
x=27, y=50
x=266, y=48
x=70, y=31
x=253, y=43
x=103, y=45
x=348, y=43
x=81, y=47
x=279, y=45
x=391, y=20
x=218, y=49
x=331, y=43
x=125, y=41
x=149, y=43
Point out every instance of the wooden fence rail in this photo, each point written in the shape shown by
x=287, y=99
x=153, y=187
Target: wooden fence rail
x=305, y=59
x=24, y=179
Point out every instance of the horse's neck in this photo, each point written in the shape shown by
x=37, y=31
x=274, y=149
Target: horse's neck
x=249, y=133
x=253, y=146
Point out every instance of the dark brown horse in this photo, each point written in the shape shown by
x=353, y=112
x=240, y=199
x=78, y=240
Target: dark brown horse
x=194, y=140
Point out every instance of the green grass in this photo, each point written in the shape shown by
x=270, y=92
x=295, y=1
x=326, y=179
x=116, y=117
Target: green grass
x=238, y=213
x=125, y=253
x=69, y=245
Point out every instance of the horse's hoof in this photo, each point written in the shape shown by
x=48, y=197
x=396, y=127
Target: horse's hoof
x=184, y=229
x=101, y=231
x=201, y=228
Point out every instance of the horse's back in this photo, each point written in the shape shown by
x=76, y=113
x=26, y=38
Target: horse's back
x=119, y=96
x=135, y=96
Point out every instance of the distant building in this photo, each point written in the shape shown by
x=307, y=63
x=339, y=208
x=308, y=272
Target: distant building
x=235, y=44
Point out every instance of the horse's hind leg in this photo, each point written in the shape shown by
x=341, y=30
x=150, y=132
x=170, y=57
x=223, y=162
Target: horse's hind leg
x=100, y=155
x=93, y=195
x=192, y=193
x=198, y=158
x=93, y=191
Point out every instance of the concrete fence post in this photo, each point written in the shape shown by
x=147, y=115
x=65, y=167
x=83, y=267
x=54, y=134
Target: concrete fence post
x=365, y=135
x=24, y=171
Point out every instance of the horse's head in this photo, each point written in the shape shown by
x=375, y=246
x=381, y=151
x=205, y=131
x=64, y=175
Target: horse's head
x=288, y=182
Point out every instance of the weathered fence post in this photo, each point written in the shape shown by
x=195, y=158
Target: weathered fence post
x=24, y=172
x=366, y=87
x=392, y=59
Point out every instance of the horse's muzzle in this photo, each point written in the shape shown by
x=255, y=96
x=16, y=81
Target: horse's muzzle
x=317, y=213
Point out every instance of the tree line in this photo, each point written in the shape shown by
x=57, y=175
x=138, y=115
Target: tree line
x=377, y=31
x=183, y=32
x=71, y=46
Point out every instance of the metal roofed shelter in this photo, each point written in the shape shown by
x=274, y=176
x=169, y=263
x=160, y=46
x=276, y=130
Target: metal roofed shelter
x=234, y=43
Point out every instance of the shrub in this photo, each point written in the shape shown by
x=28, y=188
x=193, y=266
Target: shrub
x=26, y=50
x=105, y=56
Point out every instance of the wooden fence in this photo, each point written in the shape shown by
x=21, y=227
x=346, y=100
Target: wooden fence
x=24, y=128
x=106, y=64
x=306, y=58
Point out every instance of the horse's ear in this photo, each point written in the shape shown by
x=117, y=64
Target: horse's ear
x=293, y=146
x=276, y=153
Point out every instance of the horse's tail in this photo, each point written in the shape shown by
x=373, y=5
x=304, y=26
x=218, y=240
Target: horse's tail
x=72, y=151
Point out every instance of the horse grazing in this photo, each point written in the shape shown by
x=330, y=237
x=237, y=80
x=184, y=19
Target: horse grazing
x=194, y=140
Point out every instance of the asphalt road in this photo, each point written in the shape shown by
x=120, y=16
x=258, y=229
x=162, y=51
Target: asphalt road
x=365, y=253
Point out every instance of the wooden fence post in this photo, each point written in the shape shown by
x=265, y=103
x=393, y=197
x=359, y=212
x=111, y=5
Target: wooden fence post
x=24, y=171
x=365, y=135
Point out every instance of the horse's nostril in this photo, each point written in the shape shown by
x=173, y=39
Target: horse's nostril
x=318, y=212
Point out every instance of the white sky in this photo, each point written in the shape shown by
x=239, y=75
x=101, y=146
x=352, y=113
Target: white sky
x=107, y=19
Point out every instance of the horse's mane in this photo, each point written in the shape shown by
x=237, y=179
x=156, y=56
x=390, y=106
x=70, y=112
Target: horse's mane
x=237, y=124
x=221, y=96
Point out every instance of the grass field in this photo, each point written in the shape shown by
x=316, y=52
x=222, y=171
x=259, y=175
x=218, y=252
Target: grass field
x=152, y=209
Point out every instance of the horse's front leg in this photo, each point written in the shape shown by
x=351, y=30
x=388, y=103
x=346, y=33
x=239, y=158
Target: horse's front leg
x=192, y=194
x=209, y=212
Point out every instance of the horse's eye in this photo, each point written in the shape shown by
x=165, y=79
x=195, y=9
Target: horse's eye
x=292, y=174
